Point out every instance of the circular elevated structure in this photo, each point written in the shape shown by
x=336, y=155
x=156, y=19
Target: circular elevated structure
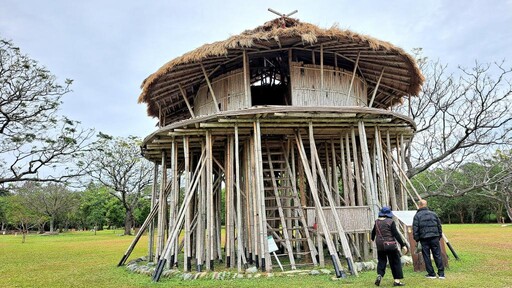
x=284, y=137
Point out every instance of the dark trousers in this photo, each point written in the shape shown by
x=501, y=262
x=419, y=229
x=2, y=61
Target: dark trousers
x=394, y=263
x=432, y=244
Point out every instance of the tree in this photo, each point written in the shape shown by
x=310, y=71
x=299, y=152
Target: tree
x=501, y=190
x=35, y=141
x=52, y=200
x=21, y=216
x=118, y=165
x=460, y=118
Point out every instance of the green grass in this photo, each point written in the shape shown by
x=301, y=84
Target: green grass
x=82, y=259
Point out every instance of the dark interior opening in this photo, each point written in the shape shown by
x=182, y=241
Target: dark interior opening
x=270, y=78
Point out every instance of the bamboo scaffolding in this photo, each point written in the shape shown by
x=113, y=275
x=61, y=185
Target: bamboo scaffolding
x=175, y=232
x=320, y=213
x=339, y=227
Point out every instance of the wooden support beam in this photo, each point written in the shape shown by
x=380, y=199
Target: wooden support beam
x=239, y=222
x=371, y=192
x=184, y=94
x=151, y=230
x=187, y=255
x=330, y=200
x=352, y=80
x=177, y=228
x=376, y=88
x=247, y=80
x=211, y=89
x=299, y=203
x=209, y=202
x=162, y=208
x=320, y=214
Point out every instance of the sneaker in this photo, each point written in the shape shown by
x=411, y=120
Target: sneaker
x=398, y=284
x=430, y=276
x=442, y=277
x=377, y=281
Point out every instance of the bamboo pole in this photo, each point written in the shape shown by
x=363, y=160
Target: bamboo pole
x=188, y=251
x=238, y=203
x=344, y=173
x=265, y=266
x=352, y=192
x=200, y=228
x=316, y=199
x=299, y=206
x=173, y=201
x=184, y=94
x=211, y=89
x=151, y=230
x=174, y=234
x=162, y=209
x=383, y=189
x=353, y=77
x=376, y=88
x=335, y=174
x=371, y=193
x=339, y=227
x=247, y=79
x=360, y=200
x=391, y=181
x=209, y=202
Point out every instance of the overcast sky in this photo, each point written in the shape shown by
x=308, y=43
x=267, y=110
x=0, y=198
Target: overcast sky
x=110, y=47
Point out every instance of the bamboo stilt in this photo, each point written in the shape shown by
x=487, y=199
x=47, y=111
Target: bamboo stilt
x=316, y=199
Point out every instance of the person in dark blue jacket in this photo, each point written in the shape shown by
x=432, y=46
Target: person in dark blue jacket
x=428, y=231
x=386, y=236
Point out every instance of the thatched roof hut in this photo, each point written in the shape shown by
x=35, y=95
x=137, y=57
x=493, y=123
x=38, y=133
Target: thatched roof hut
x=162, y=93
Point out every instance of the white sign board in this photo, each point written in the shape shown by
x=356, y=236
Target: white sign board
x=405, y=217
x=272, y=246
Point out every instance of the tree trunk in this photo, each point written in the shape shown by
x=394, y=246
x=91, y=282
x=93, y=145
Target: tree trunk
x=128, y=220
x=508, y=207
x=51, y=224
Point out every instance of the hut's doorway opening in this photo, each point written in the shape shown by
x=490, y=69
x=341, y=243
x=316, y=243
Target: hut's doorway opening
x=270, y=78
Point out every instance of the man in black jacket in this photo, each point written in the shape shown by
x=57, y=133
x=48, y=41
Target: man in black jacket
x=428, y=231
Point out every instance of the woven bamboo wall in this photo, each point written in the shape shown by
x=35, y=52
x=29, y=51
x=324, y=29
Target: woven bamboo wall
x=306, y=90
x=229, y=90
x=353, y=219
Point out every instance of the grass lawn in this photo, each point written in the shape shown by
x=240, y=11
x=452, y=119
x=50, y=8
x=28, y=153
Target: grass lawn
x=82, y=259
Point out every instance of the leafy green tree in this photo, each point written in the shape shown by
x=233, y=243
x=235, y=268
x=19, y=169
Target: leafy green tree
x=34, y=138
x=93, y=207
x=21, y=217
x=118, y=165
x=52, y=200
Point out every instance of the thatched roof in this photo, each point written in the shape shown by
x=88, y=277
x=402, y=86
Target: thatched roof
x=402, y=76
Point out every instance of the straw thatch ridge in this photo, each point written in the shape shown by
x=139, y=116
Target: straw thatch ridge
x=277, y=31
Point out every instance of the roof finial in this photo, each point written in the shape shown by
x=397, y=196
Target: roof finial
x=283, y=16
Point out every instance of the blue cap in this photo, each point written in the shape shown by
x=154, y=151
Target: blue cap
x=385, y=212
